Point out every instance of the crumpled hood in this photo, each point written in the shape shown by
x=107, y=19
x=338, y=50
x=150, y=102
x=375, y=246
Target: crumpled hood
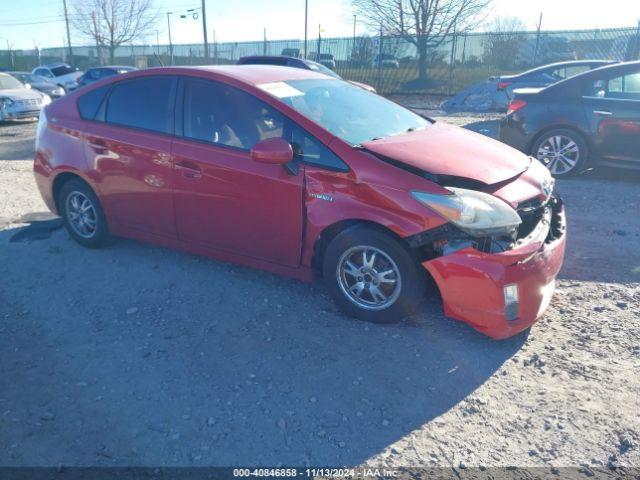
x=444, y=149
x=20, y=94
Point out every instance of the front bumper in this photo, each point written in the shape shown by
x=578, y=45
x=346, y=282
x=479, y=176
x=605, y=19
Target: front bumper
x=472, y=283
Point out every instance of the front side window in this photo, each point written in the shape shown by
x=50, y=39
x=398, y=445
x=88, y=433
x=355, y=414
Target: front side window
x=224, y=115
x=145, y=103
x=348, y=112
x=43, y=72
x=625, y=87
x=309, y=150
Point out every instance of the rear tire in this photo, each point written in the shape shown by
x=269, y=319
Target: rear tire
x=564, y=152
x=82, y=214
x=372, y=276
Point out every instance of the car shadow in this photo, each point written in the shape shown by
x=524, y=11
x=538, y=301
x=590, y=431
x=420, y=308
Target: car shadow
x=138, y=355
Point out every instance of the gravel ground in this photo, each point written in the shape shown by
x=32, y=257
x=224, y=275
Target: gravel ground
x=138, y=355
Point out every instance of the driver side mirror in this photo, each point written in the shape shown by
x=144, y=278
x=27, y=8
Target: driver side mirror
x=276, y=151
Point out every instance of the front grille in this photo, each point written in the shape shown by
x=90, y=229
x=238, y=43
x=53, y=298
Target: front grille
x=531, y=213
x=31, y=102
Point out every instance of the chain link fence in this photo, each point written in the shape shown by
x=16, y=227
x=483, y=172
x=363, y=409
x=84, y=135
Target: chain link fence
x=391, y=64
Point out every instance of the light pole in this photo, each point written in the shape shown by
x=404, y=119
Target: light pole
x=170, y=44
x=306, y=7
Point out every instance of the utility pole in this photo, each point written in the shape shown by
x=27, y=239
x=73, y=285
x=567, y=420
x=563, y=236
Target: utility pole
x=66, y=21
x=306, y=6
x=535, y=53
x=215, y=48
x=317, y=59
x=204, y=29
x=170, y=44
x=264, y=44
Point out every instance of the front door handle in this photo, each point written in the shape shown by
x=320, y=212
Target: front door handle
x=603, y=113
x=189, y=169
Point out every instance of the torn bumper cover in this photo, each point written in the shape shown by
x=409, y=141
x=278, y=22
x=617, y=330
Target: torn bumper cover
x=502, y=291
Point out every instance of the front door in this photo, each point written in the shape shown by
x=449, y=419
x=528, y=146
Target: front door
x=613, y=110
x=224, y=199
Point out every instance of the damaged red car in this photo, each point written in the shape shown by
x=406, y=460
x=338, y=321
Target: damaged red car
x=305, y=175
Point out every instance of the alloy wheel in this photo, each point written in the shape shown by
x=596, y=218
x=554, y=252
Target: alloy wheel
x=81, y=214
x=368, y=277
x=559, y=153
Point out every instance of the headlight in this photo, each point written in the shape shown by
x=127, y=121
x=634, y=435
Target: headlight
x=476, y=213
x=58, y=91
x=5, y=102
x=46, y=99
x=71, y=84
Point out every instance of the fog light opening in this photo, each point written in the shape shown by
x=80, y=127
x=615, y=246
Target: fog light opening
x=511, y=302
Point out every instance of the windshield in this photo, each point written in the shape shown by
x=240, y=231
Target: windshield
x=62, y=70
x=349, y=112
x=8, y=82
x=317, y=67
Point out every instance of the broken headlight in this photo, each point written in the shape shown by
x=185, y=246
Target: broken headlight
x=476, y=213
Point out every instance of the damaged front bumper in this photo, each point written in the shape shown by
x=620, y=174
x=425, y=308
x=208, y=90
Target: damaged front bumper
x=501, y=290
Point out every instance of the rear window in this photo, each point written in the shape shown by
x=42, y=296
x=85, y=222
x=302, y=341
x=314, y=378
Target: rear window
x=89, y=103
x=144, y=103
x=62, y=70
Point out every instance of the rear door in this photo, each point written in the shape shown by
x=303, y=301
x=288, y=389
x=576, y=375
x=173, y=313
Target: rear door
x=612, y=106
x=223, y=198
x=128, y=148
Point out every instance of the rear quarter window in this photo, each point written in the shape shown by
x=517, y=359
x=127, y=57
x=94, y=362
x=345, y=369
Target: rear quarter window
x=90, y=102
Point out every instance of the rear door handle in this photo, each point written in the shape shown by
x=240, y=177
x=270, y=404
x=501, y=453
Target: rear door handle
x=189, y=169
x=603, y=113
x=100, y=146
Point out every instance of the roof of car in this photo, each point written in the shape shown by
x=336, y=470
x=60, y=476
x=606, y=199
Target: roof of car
x=595, y=72
x=121, y=67
x=570, y=63
x=251, y=74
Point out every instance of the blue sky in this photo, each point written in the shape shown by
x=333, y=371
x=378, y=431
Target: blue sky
x=40, y=22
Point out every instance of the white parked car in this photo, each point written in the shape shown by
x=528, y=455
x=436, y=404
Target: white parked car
x=61, y=74
x=386, y=61
x=17, y=101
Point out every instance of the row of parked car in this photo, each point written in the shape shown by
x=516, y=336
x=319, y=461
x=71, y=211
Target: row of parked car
x=568, y=115
x=23, y=94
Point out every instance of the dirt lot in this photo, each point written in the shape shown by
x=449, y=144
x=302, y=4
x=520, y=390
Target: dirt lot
x=137, y=355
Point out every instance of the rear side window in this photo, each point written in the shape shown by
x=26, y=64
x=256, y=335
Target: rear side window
x=145, y=103
x=90, y=102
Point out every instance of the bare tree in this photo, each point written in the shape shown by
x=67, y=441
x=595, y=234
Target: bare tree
x=502, y=43
x=424, y=23
x=111, y=23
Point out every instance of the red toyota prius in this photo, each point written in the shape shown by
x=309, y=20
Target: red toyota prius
x=305, y=175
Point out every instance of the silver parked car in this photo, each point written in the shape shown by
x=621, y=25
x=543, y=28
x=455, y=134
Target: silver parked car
x=39, y=83
x=19, y=102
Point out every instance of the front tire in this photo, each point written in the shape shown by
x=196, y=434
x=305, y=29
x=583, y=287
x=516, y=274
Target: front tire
x=372, y=276
x=82, y=214
x=564, y=152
